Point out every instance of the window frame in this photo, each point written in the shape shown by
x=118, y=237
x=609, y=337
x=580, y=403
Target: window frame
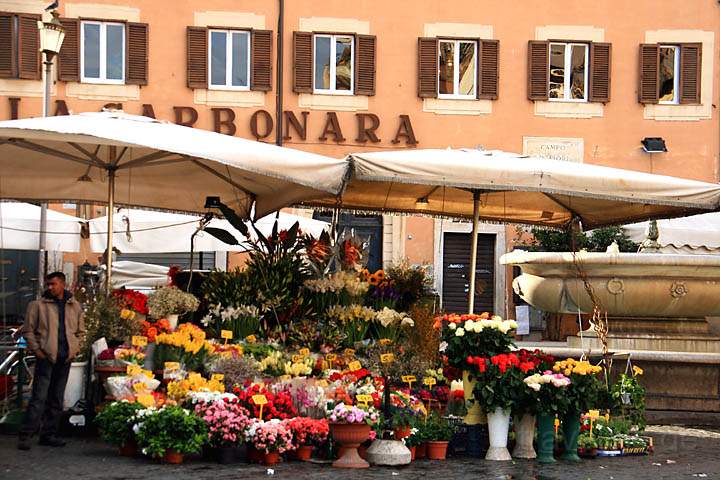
x=103, y=53
x=228, y=54
x=456, y=71
x=333, y=66
x=567, y=71
x=676, y=73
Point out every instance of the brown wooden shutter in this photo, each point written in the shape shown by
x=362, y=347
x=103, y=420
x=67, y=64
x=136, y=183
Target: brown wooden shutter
x=690, y=72
x=427, y=67
x=488, y=58
x=538, y=70
x=136, y=53
x=28, y=47
x=649, y=68
x=7, y=52
x=600, y=61
x=302, y=62
x=197, y=57
x=261, y=60
x=69, y=56
x=365, y=64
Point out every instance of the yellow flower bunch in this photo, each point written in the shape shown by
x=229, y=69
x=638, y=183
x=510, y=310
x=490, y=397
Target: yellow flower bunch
x=351, y=313
x=179, y=389
x=302, y=368
x=127, y=314
x=271, y=361
x=187, y=336
x=570, y=366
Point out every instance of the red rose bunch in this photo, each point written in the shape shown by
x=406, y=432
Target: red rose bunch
x=279, y=405
x=132, y=300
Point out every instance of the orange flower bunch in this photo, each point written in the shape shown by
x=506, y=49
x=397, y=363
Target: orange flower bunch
x=376, y=279
x=457, y=318
x=152, y=329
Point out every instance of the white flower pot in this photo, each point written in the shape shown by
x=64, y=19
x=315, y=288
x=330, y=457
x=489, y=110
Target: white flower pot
x=75, y=388
x=173, y=319
x=498, y=426
x=524, y=436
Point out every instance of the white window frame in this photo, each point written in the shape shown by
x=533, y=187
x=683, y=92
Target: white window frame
x=228, y=56
x=103, y=53
x=567, y=71
x=333, y=67
x=456, y=71
x=676, y=77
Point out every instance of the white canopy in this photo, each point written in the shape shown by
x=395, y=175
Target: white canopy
x=138, y=275
x=20, y=227
x=516, y=189
x=699, y=234
x=158, y=232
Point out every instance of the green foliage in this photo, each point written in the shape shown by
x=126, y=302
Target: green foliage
x=411, y=282
x=586, y=441
x=628, y=400
x=171, y=428
x=437, y=429
x=102, y=319
x=114, y=422
x=597, y=241
x=584, y=392
x=227, y=288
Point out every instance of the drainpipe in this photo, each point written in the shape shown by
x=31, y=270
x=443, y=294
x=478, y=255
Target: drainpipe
x=279, y=78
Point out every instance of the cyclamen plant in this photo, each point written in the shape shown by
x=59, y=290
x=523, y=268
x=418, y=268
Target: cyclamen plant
x=271, y=436
x=308, y=431
x=351, y=414
x=226, y=422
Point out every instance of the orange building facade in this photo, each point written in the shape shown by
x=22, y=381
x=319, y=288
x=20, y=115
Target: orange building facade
x=578, y=81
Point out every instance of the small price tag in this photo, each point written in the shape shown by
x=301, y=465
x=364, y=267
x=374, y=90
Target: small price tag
x=133, y=369
x=139, y=341
x=594, y=414
x=429, y=381
x=353, y=366
x=259, y=400
x=409, y=379
x=331, y=357
x=226, y=334
x=251, y=339
x=304, y=352
x=218, y=377
x=145, y=399
x=194, y=377
x=384, y=342
x=139, y=387
x=297, y=358
x=364, y=399
x=349, y=352
x=172, y=366
x=387, y=358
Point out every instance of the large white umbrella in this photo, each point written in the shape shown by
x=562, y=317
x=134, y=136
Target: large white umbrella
x=20, y=228
x=512, y=188
x=699, y=234
x=147, y=231
x=112, y=157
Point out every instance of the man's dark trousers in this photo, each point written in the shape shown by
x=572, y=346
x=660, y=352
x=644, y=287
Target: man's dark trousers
x=46, y=403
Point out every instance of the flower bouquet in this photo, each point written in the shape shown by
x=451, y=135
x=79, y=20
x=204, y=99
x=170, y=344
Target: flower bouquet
x=132, y=300
x=186, y=345
x=389, y=324
x=152, y=329
x=129, y=355
x=106, y=358
x=354, y=319
x=115, y=428
x=166, y=301
x=242, y=320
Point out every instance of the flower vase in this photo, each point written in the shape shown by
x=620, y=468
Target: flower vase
x=350, y=436
x=498, y=426
x=524, y=436
x=571, y=432
x=546, y=438
x=304, y=452
x=173, y=320
x=475, y=414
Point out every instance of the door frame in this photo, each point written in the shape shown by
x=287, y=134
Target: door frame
x=443, y=226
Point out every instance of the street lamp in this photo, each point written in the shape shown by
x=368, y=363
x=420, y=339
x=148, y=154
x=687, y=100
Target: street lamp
x=52, y=35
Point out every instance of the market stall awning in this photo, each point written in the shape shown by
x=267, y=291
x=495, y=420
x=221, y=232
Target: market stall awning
x=20, y=228
x=699, y=234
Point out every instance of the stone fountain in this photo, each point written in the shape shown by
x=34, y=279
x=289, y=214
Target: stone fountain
x=659, y=306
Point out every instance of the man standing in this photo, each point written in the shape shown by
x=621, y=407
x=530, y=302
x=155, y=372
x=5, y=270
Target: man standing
x=54, y=329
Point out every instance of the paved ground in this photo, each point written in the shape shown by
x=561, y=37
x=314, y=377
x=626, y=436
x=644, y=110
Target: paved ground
x=679, y=454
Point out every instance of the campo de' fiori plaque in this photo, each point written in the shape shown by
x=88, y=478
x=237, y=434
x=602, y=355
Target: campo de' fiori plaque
x=565, y=149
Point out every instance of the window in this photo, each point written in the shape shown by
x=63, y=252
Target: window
x=334, y=61
x=669, y=74
x=568, y=72
x=20, y=51
x=229, y=59
x=102, y=52
x=457, y=67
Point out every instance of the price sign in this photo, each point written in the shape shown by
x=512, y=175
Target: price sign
x=297, y=358
x=349, y=352
x=133, y=369
x=260, y=400
x=387, y=357
x=218, y=377
x=172, y=366
x=145, y=399
x=409, y=379
x=226, y=334
x=353, y=366
x=304, y=352
x=384, y=342
x=364, y=399
x=594, y=415
x=330, y=357
x=429, y=381
x=139, y=341
x=251, y=339
x=194, y=377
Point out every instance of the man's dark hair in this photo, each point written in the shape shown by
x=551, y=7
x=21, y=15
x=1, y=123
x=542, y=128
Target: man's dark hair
x=59, y=275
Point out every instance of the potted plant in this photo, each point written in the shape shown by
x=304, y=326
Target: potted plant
x=271, y=438
x=307, y=432
x=115, y=427
x=226, y=423
x=413, y=440
x=550, y=392
x=171, y=302
x=350, y=426
x=169, y=433
x=402, y=416
x=587, y=445
x=437, y=433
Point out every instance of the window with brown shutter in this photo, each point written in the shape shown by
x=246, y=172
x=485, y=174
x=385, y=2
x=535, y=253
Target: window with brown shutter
x=28, y=47
x=261, y=63
x=670, y=74
x=488, y=69
x=600, y=61
x=538, y=70
x=427, y=67
x=8, y=65
x=69, y=56
x=365, y=64
x=302, y=62
x=690, y=72
x=197, y=57
x=136, y=54
x=649, y=67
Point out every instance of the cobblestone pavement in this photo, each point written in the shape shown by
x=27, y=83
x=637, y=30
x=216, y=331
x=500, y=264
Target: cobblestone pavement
x=679, y=454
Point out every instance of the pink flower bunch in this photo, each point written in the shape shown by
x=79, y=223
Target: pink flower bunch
x=271, y=436
x=351, y=414
x=226, y=422
x=308, y=431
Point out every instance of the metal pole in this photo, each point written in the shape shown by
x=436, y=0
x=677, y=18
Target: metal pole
x=42, y=243
x=111, y=208
x=279, y=87
x=473, y=250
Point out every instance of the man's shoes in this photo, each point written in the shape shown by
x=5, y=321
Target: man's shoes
x=52, y=441
x=24, y=442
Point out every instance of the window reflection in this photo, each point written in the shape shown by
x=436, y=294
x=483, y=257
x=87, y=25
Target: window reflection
x=322, y=63
x=446, y=68
x=557, y=71
x=343, y=63
x=667, y=74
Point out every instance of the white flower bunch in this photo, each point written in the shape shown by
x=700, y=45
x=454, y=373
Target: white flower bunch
x=388, y=316
x=536, y=381
x=338, y=281
x=209, y=397
x=229, y=314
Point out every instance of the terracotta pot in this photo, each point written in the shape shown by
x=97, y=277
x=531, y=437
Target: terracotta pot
x=437, y=450
x=270, y=458
x=254, y=455
x=173, y=457
x=412, y=453
x=421, y=451
x=402, y=432
x=304, y=453
x=350, y=436
x=228, y=455
x=129, y=449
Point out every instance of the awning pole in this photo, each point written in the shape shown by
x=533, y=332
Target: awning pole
x=111, y=208
x=473, y=250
